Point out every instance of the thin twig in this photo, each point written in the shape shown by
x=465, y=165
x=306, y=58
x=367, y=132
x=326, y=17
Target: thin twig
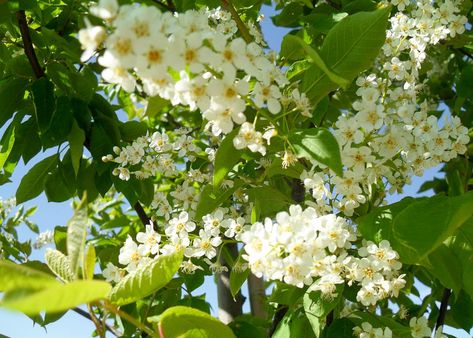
x=28, y=44
x=85, y=314
x=443, y=308
x=245, y=33
x=98, y=325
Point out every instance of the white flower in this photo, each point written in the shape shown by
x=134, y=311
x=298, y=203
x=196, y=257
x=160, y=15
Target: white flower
x=149, y=239
x=112, y=273
x=105, y=9
x=130, y=255
x=205, y=245
x=420, y=327
x=249, y=138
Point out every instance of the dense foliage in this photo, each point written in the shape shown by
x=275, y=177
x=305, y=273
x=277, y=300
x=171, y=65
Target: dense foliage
x=190, y=149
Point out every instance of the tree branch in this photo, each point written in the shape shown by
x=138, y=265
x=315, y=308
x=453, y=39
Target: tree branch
x=141, y=213
x=443, y=308
x=28, y=44
x=169, y=6
x=245, y=33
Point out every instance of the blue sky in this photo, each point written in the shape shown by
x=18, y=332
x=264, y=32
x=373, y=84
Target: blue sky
x=16, y=325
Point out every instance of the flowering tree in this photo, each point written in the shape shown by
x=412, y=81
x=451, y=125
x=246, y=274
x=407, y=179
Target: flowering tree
x=193, y=150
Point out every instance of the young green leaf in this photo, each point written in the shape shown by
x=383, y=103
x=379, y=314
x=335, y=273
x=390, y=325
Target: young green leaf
x=237, y=278
x=57, y=297
x=32, y=184
x=89, y=261
x=76, y=234
x=225, y=158
x=318, y=144
x=318, y=61
x=182, y=321
x=59, y=264
x=14, y=277
x=146, y=280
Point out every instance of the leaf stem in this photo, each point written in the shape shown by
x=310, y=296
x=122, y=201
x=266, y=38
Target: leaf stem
x=112, y=308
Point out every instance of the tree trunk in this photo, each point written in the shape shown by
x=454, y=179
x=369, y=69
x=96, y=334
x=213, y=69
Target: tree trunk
x=228, y=308
x=257, y=296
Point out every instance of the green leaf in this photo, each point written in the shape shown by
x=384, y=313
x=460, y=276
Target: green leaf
x=146, y=280
x=32, y=184
x=76, y=234
x=56, y=187
x=57, y=297
x=12, y=92
x=377, y=225
x=14, y=276
x=318, y=144
x=59, y=264
x=350, y=47
x=76, y=140
x=44, y=102
x=315, y=304
x=446, y=267
x=276, y=168
x=7, y=142
x=155, y=106
x=342, y=327
x=131, y=130
x=269, y=200
x=237, y=278
x=210, y=199
x=225, y=158
x=424, y=225
x=318, y=61
x=182, y=321
x=89, y=261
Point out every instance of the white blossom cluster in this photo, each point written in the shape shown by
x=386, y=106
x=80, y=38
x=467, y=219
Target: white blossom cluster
x=192, y=59
x=302, y=248
x=390, y=135
x=419, y=329
x=43, y=239
x=200, y=240
x=158, y=154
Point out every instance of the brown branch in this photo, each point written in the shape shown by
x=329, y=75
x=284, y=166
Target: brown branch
x=28, y=44
x=39, y=72
x=443, y=308
x=329, y=319
x=171, y=6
